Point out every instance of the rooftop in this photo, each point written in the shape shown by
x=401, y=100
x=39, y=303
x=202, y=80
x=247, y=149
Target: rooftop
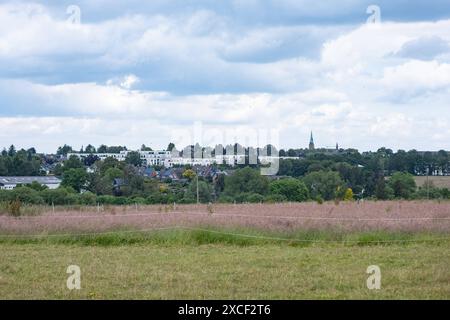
x=29, y=180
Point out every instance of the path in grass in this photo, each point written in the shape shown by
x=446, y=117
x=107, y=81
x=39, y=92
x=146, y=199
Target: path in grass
x=224, y=271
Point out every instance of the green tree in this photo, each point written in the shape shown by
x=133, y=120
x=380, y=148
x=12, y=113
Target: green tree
x=246, y=180
x=170, y=147
x=27, y=195
x=189, y=174
x=64, y=150
x=293, y=189
x=204, y=191
x=113, y=173
x=103, y=166
x=55, y=196
x=75, y=178
x=89, y=149
x=403, y=185
x=134, y=158
x=115, y=149
x=37, y=186
x=348, y=196
x=145, y=148
x=12, y=151
x=102, y=149
x=88, y=198
x=134, y=182
x=323, y=183
x=383, y=191
x=72, y=163
x=3, y=168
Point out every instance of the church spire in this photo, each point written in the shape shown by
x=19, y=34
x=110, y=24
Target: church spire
x=311, y=142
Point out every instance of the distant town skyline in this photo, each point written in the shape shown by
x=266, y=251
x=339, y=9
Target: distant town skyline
x=132, y=73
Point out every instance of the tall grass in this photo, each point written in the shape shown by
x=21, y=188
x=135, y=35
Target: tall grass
x=292, y=223
x=235, y=237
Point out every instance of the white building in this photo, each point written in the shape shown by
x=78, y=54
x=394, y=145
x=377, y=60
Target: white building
x=149, y=158
x=157, y=157
x=181, y=161
x=168, y=159
x=9, y=183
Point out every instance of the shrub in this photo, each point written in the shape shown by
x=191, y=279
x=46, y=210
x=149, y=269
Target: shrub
x=88, y=198
x=72, y=199
x=246, y=180
x=225, y=199
x=445, y=193
x=403, y=185
x=348, y=195
x=14, y=208
x=254, y=198
x=5, y=196
x=292, y=189
x=106, y=199
x=27, y=195
x=139, y=200
x=55, y=196
x=158, y=198
x=122, y=200
x=274, y=198
x=242, y=197
x=323, y=184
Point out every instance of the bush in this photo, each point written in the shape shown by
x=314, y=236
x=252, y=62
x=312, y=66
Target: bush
x=160, y=198
x=5, y=196
x=348, y=195
x=241, y=197
x=111, y=200
x=445, y=193
x=72, y=199
x=403, y=185
x=292, y=189
x=323, y=184
x=27, y=195
x=225, y=199
x=55, y=196
x=105, y=199
x=138, y=200
x=254, y=198
x=319, y=200
x=275, y=198
x=14, y=207
x=88, y=198
x=246, y=180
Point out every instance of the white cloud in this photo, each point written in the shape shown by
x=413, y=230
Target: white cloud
x=137, y=77
x=125, y=82
x=425, y=48
x=416, y=75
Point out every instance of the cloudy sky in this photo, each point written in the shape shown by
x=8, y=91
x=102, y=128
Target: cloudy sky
x=127, y=73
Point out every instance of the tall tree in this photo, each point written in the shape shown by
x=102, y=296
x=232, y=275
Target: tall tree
x=134, y=158
x=75, y=178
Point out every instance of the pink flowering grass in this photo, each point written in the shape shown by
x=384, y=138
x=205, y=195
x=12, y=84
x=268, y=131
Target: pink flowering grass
x=347, y=217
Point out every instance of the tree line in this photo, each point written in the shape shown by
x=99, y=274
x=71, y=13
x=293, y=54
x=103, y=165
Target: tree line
x=245, y=185
x=318, y=176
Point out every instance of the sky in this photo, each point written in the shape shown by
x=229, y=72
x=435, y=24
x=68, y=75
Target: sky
x=364, y=74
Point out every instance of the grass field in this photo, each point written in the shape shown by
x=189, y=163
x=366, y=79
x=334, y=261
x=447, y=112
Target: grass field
x=224, y=271
x=438, y=181
x=286, y=251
